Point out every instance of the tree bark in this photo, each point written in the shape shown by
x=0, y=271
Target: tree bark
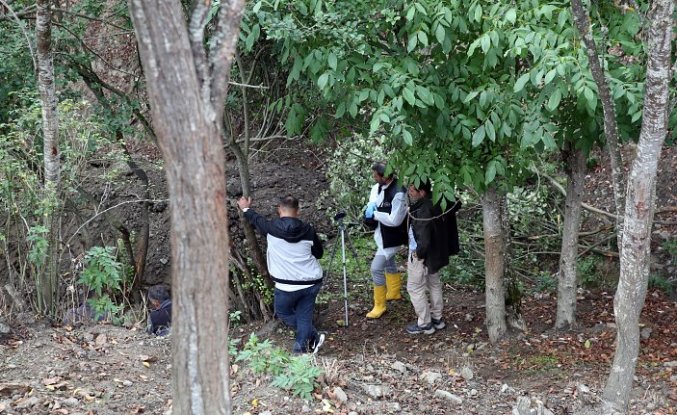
x=610, y=126
x=186, y=89
x=46, y=280
x=636, y=243
x=573, y=206
x=494, y=265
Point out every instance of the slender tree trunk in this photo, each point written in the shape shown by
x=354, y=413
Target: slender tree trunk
x=573, y=205
x=610, y=126
x=494, y=265
x=250, y=235
x=635, y=251
x=46, y=280
x=186, y=89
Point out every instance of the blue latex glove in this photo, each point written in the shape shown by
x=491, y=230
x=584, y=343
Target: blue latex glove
x=369, y=212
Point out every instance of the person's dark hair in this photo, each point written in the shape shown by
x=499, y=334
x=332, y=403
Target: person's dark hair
x=289, y=202
x=425, y=185
x=159, y=293
x=380, y=168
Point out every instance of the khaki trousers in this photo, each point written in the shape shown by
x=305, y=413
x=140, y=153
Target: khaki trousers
x=418, y=282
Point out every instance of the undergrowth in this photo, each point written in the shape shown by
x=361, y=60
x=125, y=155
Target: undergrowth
x=295, y=373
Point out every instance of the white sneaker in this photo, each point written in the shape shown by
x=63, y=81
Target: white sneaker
x=318, y=343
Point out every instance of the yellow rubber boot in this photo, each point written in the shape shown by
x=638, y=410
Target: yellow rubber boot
x=394, y=285
x=379, y=302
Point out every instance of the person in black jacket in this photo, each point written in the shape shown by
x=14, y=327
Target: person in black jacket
x=293, y=252
x=160, y=319
x=433, y=237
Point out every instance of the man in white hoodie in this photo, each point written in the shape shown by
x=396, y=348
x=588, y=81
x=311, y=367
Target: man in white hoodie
x=293, y=252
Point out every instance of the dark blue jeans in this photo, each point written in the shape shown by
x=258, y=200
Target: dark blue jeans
x=295, y=309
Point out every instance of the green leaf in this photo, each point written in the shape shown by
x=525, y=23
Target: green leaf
x=478, y=13
x=408, y=95
x=425, y=95
x=550, y=76
x=340, y=110
x=407, y=137
x=375, y=123
x=423, y=38
x=411, y=45
x=485, y=42
x=490, y=174
x=440, y=34
x=411, y=12
x=352, y=110
x=511, y=16
x=470, y=96
x=555, y=98
x=521, y=81
x=490, y=130
x=322, y=80
x=478, y=136
x=332, y=61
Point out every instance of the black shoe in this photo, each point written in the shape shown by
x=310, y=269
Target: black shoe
x=414, y=328
x=438, y=323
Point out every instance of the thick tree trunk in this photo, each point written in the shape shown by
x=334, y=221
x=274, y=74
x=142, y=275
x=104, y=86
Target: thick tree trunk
x=494, y=264
x=635, y=250
x=186, y=93
x=610, y=126
x=573, y=205
x=46, y=280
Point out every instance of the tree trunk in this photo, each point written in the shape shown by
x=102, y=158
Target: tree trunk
x=635, y=250
x=494, y=265
x=46, y=280
x=186, y=90
x=610, y=126
x=573, y=205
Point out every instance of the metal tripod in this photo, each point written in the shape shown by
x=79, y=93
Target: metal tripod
x=344, y=240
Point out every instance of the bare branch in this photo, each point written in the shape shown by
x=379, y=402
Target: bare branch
x=222, y=49
x=95, y=19
x=111, y=208
x=247, y=86
x=92, y=51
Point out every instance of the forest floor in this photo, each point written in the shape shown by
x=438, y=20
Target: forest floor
x=370, y=367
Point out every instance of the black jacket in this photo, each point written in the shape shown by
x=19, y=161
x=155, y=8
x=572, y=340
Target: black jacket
x=161, y=319
x=436, y=239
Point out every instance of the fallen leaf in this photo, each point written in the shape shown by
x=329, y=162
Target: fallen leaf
x=101, y=339
x=9, y=389
x=50, y=381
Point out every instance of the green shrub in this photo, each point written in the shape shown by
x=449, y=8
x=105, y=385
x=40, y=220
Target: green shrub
x=297, y=374
x=349, y=175
x=102, y=274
